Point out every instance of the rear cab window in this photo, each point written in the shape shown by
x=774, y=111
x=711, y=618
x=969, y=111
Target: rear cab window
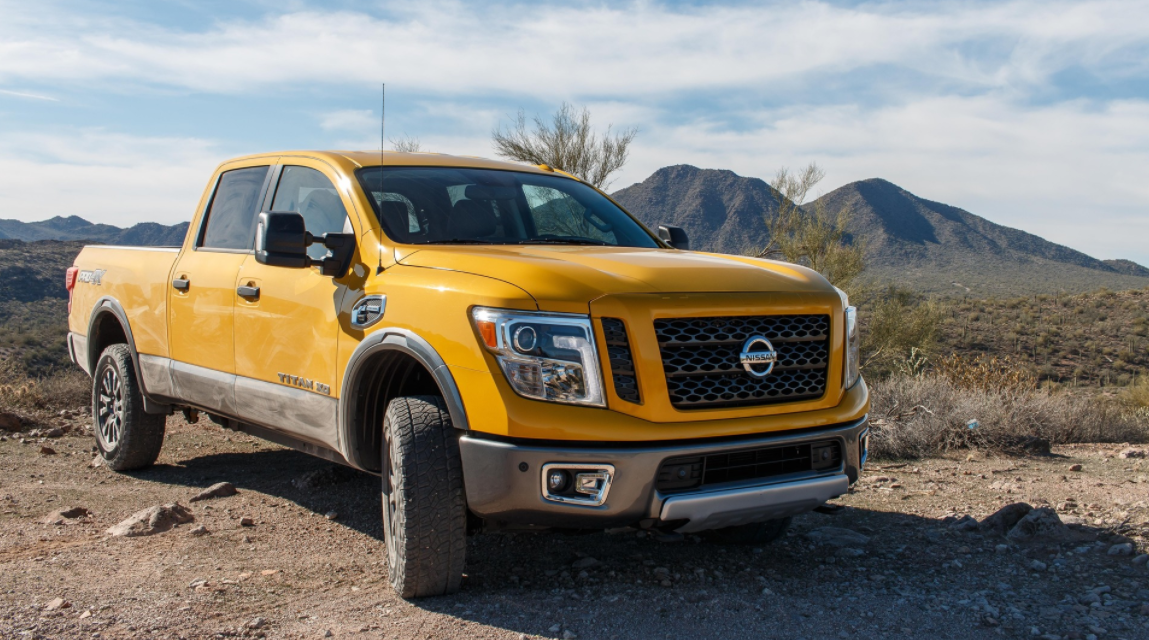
x=234, y=210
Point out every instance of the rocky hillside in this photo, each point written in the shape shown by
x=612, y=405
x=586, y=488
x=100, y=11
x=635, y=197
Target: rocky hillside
x=926, y=245
x=77, y=228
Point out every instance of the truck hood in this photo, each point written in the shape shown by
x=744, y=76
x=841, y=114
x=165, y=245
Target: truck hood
x=568, y=278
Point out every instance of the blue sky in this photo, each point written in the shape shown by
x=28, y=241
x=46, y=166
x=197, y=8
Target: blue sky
x=1032, y=114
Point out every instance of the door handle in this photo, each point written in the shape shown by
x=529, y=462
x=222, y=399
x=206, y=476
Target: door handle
x=248, y=292
x=181, y=283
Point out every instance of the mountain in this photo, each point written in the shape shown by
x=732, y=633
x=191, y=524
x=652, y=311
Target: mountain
x=77, y=228
x=1128, y=267
x=930, y=246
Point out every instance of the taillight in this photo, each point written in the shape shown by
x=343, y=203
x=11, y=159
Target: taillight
x=70, y=283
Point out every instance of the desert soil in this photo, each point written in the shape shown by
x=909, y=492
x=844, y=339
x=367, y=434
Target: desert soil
x=312, y=564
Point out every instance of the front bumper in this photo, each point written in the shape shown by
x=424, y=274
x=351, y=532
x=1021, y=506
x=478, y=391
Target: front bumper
x=503, y=481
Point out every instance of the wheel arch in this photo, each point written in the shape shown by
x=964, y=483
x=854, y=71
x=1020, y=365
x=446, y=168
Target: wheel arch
x=109, y=325
x=389, y=363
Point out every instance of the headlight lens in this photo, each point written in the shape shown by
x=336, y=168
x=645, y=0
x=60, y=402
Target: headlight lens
x=852, y=354
x=545, y=356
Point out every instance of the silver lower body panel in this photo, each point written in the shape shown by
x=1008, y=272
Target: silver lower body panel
x=78, y=351
x=754, y=504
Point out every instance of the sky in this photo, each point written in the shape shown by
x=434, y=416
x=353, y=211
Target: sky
x=1034, y=114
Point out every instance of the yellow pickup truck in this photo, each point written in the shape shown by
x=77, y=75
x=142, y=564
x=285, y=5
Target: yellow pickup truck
x=504, y=345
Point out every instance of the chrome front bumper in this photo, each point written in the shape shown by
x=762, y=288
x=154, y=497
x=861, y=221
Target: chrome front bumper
x=503, y=479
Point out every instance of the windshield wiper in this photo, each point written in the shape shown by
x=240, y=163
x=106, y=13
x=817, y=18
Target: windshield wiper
x=462, y=241
x=570, y=240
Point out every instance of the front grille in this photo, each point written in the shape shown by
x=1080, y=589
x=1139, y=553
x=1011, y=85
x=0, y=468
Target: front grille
x=621, y=360
x=701, y=359
x=679, y=474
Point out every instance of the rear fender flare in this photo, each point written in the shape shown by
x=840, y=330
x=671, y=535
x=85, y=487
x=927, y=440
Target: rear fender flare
x=110, y=306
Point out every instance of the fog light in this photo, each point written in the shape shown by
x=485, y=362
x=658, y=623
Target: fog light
x=577, y=484
x=557, y=480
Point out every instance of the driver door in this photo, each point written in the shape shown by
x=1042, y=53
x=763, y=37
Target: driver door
x=287, y=320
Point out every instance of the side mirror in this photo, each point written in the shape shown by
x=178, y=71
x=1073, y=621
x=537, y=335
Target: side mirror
x=281, y=240
x=674, y=236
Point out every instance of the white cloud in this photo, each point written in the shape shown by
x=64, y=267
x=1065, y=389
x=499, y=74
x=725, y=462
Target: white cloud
x=536, y=49
x=103, y=177
x=30, y=96
x=348, y=120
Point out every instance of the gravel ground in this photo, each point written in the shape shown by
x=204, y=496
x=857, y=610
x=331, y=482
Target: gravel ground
x=890, y=563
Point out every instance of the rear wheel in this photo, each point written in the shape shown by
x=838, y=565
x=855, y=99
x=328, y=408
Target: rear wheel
x=753, y=533
x=424, y=506
x=127, y=437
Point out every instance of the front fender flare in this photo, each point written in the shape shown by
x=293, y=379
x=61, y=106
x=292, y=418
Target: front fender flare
x=408, y=343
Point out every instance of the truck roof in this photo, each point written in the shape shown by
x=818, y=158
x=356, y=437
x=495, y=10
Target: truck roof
x=401, y=159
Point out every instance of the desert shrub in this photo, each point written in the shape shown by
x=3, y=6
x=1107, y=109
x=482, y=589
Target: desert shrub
x=922, y=416
x=1136, y=396
x=985, y=373
x=64, y=389
x=898, y=326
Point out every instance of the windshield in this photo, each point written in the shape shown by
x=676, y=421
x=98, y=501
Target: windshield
x=447, y=205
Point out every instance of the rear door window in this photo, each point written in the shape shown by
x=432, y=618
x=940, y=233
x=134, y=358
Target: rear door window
x=233, y=213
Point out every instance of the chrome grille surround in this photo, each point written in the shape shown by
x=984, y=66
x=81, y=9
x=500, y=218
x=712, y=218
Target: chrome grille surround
x=700, y=357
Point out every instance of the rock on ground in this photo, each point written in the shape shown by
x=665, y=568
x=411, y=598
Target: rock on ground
x=10, y=422
x=152, y=520
x=68, y=513
x=1004, y=519
x=1042, y=522
x=217, y=490
x=1132, y=452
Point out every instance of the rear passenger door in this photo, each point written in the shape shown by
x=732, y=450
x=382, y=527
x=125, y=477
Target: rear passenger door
x=287, y=320
x=202, y=292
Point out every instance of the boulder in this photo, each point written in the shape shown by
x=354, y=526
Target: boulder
x=1004, y=519
x=10, y=422
x=1041, y=523
x=153, y=520
x=1132, y=453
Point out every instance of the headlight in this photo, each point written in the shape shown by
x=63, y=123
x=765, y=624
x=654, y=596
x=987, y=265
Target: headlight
x=851, y=346
x=545, y=356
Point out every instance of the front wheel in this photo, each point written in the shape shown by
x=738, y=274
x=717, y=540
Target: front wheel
x=424, y=505
x=127, y=437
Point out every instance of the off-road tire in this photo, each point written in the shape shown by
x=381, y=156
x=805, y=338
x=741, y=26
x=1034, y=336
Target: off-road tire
x=127, y=437
x=424, y=504
x=753, y=533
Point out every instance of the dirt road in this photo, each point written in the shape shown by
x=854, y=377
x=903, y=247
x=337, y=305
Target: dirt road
x=312, y=564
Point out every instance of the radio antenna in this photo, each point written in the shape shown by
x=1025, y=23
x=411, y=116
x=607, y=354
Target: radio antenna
x=382, y=144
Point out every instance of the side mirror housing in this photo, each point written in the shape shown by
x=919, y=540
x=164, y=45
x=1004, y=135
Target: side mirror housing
x=281, y=240
x=674, y=236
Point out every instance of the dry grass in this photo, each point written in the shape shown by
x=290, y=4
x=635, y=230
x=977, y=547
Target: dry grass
x=67, y=389
x=921, y=416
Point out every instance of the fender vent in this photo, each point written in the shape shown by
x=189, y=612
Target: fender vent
x=621, y=360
